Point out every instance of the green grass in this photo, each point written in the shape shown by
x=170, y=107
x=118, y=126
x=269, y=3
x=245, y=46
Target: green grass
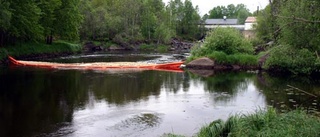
x=162, y=48
x=38, y=48
x=146, y=47
x=264, y=124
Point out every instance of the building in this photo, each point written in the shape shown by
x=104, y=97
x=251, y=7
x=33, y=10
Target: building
x=249, y=23
x=224, y=22
x=249, y=31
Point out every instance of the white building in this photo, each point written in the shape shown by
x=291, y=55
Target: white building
x=249, y=23
x=214, y=23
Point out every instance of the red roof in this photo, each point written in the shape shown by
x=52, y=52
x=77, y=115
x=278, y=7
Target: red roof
x=251, y=20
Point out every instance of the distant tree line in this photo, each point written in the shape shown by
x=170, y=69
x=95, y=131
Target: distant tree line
x=240, y=12
x=138, y=20
x=115, y=20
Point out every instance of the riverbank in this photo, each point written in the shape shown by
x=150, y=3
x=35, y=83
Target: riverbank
x=39, y=50
x=295, y=123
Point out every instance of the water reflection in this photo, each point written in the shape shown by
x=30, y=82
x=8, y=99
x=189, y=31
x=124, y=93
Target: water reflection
x=42, y=102
x=281, y=95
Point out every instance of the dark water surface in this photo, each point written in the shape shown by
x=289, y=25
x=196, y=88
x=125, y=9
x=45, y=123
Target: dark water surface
x=49, y=102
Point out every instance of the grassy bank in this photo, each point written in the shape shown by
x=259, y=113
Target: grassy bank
x=224, y=59
x=226, y=46
x=264, y=124
x=33, y=48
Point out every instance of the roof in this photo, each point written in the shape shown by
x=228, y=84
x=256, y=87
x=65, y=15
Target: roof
x=221, y=22
x=251, y=20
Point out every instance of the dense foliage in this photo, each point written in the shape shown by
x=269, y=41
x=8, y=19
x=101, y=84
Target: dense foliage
x=226, y=46
x=287, y=58
x=295, y=25
x=130, y=21
x=35, y=48
x=120, y=21
x=265, y=124
x=240, y=12
x=38, y=20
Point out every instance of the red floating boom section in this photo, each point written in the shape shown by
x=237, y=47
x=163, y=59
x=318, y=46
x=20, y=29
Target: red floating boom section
x=174, y=67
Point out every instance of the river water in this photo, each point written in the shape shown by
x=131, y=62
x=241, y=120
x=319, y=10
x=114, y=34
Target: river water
x=76, y=103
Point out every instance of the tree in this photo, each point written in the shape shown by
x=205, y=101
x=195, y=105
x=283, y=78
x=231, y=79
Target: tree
x=218, y=12
x=48, y=17
x=191, y=19
x=25, y=21
x=184, y=18
x=5, y=15
x=295, y=26
x=241, y=12
x=68, y=20
x=300, y=24
x=265, y=27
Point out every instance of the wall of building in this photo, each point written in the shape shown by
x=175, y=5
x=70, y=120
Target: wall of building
x=248, y=26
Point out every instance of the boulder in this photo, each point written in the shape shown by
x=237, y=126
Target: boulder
x=201, y=63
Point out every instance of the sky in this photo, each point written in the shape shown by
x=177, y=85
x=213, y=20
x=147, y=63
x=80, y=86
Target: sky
x=206, y=5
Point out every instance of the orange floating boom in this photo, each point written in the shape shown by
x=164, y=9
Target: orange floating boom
x=175, y=66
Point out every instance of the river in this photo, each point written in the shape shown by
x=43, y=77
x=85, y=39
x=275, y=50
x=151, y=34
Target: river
x=76, y=103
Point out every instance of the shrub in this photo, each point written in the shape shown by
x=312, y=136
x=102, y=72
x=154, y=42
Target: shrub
x=225, y=46
x=227, y=40
x=287, y=58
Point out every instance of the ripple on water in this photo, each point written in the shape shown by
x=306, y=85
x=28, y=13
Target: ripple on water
x=139, y=122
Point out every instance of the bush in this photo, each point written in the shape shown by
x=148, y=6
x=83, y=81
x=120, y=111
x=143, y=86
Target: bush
x=226, y=46
x=227, y=40
x=287, y=58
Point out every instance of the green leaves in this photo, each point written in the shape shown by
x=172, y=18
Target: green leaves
x=231, y=11
x=30, y=20
x=5, y=15
x=296, y=61
x=227, y=40
x=226, y=46
x=295, y=24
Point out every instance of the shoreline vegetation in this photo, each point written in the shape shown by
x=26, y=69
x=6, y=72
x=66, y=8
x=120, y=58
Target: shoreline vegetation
x=267, y=123
x=292, y=26
x=35, y=49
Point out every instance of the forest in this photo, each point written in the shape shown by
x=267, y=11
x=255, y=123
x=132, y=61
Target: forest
x=293, y=26
x=118, y=21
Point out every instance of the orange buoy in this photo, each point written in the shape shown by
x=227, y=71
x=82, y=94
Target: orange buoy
x=174, y=66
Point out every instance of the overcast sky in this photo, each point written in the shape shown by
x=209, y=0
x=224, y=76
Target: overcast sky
x=206, y=5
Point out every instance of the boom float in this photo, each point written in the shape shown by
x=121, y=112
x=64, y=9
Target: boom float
x=174, y=66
